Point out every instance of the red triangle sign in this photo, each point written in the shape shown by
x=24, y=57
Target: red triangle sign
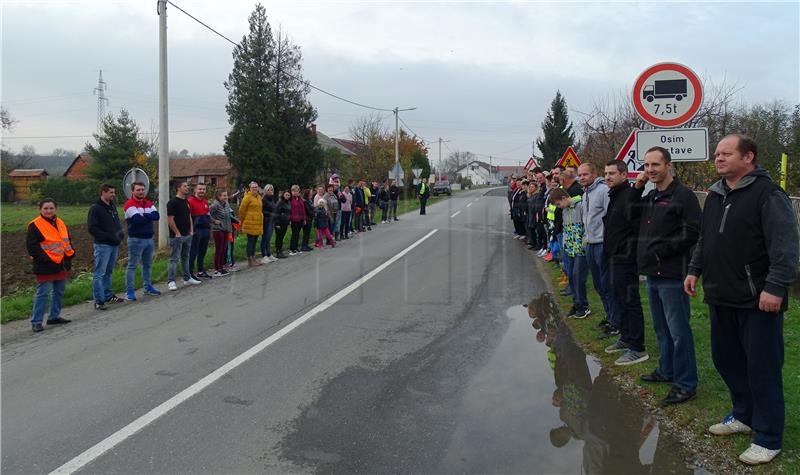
x=569, y=159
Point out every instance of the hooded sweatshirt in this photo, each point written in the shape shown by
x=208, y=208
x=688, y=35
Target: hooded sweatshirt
x=595, y=205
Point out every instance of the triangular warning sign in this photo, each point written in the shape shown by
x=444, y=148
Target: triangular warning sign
x=569, y=159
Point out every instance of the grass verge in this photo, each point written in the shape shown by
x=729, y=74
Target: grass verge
x=79, y=288
x=713, y=400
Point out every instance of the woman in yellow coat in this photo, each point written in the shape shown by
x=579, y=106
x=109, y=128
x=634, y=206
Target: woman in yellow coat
x=252, y=221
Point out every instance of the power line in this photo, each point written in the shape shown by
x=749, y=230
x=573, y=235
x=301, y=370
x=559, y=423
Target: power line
x=284, y=72
x=409, y=129
x=85, y=136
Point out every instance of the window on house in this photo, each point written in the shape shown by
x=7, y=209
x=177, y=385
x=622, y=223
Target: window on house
x=213, y=181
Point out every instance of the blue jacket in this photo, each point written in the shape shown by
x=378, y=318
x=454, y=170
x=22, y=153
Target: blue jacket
x=140, y=216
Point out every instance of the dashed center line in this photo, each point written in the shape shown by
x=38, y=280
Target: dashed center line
x=455, y=214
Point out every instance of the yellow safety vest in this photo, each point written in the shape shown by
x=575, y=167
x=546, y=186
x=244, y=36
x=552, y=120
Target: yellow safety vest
x=422, y=188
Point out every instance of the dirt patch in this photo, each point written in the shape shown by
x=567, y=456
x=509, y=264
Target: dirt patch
x=16, y=268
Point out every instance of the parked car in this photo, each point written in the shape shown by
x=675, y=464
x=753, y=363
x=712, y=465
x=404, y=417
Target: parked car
x=441, y=187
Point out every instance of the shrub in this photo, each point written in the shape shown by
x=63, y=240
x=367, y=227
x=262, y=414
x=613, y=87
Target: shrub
x=66, y=191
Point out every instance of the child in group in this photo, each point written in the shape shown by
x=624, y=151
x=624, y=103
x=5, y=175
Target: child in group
x=322, y=222
x=574, y=250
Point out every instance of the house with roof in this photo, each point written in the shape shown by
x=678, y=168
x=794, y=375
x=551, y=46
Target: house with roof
x=479, y=173
x=23, y=178
x=215, y=170
x=77, y=169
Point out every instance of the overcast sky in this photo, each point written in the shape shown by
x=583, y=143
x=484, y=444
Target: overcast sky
x=481, y=75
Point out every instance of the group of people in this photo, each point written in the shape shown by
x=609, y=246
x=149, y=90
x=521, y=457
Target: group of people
x=744, y=244
x=337, y=212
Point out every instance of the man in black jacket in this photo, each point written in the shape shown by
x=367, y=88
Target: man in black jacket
x=747, y=255
x=669, y=228
x=620, y=233
x=104, y=226
x=394, y=196
x=423, y=191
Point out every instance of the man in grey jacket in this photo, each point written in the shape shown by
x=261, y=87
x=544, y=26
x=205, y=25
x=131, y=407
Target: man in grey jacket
x=747, y=254
x=595, y=204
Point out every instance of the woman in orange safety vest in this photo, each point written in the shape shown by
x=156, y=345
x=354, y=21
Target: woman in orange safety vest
x=50, y=250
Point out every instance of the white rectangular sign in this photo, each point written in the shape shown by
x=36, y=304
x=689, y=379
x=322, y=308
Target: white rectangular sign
x=684, y=145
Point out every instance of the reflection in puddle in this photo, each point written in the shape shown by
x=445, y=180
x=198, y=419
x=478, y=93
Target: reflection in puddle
x=539, y=405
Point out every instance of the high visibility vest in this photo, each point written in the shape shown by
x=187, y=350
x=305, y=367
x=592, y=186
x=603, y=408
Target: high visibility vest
x=422, y=188
x=551, y=212
x=56, y=239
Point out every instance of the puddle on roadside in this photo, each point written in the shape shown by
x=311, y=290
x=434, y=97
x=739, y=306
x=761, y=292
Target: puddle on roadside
x=541, y=405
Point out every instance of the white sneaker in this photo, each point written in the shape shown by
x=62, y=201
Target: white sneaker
x=171, y=285
x=265, y=260
x=272, y=258
x=728, y=426
x=292, y=253
x=192, y=281
x=756, y=455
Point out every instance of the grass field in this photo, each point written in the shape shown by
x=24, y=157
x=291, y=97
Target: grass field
x=79, y=289
x=713, y=400
x=14, y=217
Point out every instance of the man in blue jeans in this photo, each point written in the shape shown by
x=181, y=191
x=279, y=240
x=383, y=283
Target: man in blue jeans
x=747, y=255
x=104, y=226
x=595, y=204
x=180, y=236
x=669, y=228
x=140, y=215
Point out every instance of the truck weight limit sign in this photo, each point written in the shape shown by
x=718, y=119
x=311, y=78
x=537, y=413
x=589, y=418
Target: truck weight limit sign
x=667, y=95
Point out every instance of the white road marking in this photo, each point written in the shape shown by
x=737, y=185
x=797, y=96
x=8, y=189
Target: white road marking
x=455, y=214
x=469, y=204
x=129, y=430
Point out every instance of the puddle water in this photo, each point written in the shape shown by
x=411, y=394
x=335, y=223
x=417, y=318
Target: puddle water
x=540, y=405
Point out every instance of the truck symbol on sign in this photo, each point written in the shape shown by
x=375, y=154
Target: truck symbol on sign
x=667, y=88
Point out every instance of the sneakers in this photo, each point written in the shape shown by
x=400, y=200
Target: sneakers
x=130, y=296
x=114, y=299
x=265, y=260
x=191, y=281
x=384, y=222
x=565, y=292
x=37, y=327
x=541, y=253
x=272, y=258
x=293, y=253
x=608, y=332
x=100, y=306
x=150, y=290
x=581, y=314
x=220, y=273
x=729, y=425
x=616, y=347
x=233, y=268
x=756, y=455
x=171, y=285
x=202, y=275
x=631, y=357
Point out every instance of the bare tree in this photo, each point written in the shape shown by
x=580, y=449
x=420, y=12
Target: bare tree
x=458, y=160
x=6, y=121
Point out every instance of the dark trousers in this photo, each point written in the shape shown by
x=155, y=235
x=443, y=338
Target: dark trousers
x=624, y=279
x=357, y=217
x=295, y=239
x=252, y=239
x=306, y=234
x=519, y=227
x=422, y=201
x=541, y=236
x=280, y=234
x=345, y=226
x=197, y=252
x=220, y=248
x=747, y=349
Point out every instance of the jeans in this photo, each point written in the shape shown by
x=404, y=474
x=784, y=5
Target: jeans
x=105, y=257
x=562, y=254
x=392, y=209
x=568, y=265
x=198, y=249
x=267, y=237
x=598, y=266
x=43, y=290
x=344, y=228
x=747, y=348
x=669, y=306
x=139, y=249
x=625, y=291
x=180, y=247
x=577, y=273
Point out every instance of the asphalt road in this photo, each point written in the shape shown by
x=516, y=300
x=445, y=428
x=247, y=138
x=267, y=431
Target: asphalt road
x=368, y=362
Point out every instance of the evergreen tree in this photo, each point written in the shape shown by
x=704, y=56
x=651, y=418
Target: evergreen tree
x=558, y=134
x=120, y=147
x=268, y=109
